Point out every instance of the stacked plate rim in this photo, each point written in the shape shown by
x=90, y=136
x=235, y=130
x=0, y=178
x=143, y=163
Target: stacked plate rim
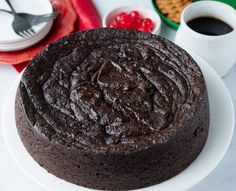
x=9, y=41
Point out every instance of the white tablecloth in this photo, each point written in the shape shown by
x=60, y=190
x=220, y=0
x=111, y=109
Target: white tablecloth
x=13, y=179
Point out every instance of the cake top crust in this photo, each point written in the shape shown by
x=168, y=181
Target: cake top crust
x=111, y=90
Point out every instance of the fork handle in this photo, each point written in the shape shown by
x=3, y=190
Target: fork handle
x=6, y=11
x=10, y=5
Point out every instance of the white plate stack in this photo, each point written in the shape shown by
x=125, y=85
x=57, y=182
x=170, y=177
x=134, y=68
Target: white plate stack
x=9, y=40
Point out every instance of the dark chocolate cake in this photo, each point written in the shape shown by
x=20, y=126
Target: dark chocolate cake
x=113, y=109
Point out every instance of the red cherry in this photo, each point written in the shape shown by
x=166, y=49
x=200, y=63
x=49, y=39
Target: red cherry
x=148, y=29
x=112, y=24
x=145, y=29
x=123, y=24
x=136, y=24
x=141, y=29
x=135, y=14
x=147, y=25
x=122, y=16
x=123, y=20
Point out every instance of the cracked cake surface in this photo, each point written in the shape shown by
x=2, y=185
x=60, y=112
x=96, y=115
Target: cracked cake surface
x=95, y=101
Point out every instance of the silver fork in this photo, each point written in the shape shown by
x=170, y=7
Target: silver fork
x=35, y=19
x=20, y=25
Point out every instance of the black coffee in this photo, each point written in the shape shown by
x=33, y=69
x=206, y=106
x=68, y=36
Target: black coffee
x=209, y=26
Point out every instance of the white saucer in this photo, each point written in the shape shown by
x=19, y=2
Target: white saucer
x=220, y=134
x=9, y=40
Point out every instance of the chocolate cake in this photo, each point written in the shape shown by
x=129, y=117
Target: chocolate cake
x=113, y=109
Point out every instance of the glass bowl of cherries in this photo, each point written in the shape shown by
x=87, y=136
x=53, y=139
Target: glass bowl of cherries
x=134, y=18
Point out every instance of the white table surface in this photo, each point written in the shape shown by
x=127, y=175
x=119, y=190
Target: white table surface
x=13, y=179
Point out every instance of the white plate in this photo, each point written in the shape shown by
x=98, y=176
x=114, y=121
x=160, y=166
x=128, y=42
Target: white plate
x=37, y=7
x=220, y=134
x=28, y=42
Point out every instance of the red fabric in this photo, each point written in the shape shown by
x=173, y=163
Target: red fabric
x=88, y=18
x=67, y=17
x=21, y=66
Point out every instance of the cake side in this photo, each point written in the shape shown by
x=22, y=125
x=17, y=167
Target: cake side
x=116, y=171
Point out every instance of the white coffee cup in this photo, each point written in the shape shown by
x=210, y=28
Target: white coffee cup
x=218, y=51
